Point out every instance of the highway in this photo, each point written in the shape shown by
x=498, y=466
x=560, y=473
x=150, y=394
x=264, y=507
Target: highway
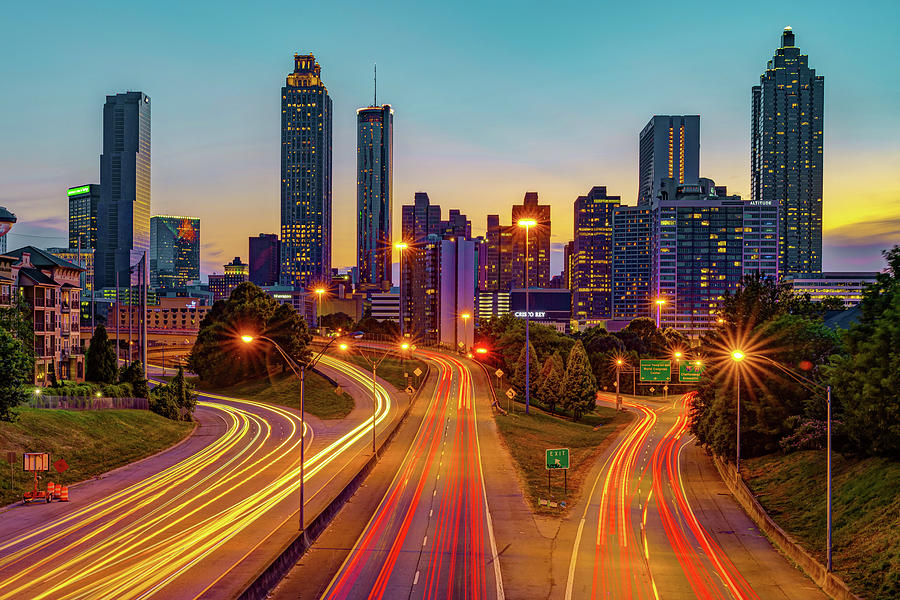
x=431, y=535
x=642, y=535
x=186, y=523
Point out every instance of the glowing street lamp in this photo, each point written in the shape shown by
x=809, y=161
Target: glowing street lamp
x=319, y=291
x=659, y=305
x=527, y=224
x=401, y=246
x=737, y=356
x=465, y=317
x=619, y=364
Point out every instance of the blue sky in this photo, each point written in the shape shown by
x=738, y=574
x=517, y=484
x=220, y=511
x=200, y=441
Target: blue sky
x=491, y=100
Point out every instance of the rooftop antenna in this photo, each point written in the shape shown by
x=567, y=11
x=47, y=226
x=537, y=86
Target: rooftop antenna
x=375, y=99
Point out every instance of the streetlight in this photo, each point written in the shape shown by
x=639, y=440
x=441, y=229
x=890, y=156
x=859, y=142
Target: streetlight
x=737, y=356
x=659, y=305
x=374, y=364
x=401, y=246
x=465, y=317
x=248, y=339
x=527, y=224
x=619, y=363
x=319, y=291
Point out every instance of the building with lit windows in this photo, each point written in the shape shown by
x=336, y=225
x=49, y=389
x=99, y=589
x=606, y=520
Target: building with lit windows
x=174, y=251
x=698, y=251
x=631, y=262
x=849, y=287
x=505, y=248
x=306, y=163
x=236, y=273
x=83, y=203
x=786, y=145
x=668, y=146
x=592, y=255
x=123, y=213
x=374, y=193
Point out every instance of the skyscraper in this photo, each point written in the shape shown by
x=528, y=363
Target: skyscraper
x=631, y=262
x=174, y=251
x=420, y=268
x=83, y=203
x=123, y=214
x=669, y=146
x=236, y=273
x=305, y=175
x=786, y=153
x=592, y=257
x=264, y=259
x=374, y=189
x=538, y=243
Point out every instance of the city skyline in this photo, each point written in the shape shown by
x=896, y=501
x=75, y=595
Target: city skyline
x=593, y=141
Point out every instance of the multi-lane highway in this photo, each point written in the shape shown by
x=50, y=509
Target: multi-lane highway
x=431, y=536
x=641, y=536
x=187, y=530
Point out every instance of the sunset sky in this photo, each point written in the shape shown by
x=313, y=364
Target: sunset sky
x=490, y=100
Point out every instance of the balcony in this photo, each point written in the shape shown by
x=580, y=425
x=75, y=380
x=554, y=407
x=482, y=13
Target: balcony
x=41, y=351
x=39, y=327
x=37, y=301
x=64, y=306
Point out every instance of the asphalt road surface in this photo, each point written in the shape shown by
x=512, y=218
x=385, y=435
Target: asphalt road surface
x=431, y=536
x=195, y=521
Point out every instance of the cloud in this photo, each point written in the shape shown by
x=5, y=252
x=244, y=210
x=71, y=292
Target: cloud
x=858, y=246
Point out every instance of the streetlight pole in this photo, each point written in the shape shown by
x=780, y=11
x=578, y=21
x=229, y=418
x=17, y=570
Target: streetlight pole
x=527, y=223
x=659, y=305
x=619, y=362
x=401, y=246
x=319, y=292
x=737, y=356
x=465, y=317
x=295, y=367
x=828, y=512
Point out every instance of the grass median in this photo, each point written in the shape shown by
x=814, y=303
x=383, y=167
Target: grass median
x=91, y=442
x=320, y=397
x=391, y=369
x=866, y=513
x=527, y=438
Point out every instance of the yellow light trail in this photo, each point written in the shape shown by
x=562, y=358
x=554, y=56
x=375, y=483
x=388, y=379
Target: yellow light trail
x=138, y=540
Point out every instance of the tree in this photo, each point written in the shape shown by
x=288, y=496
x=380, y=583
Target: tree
x=101, y=358
x=16, y=319
x=335, y=321
x=550, y=381
x=175, y=400
x=579, y=389
x=16, y=371
x=220, y=358
x=518, y=378
x=866, y=382
x=134, y=374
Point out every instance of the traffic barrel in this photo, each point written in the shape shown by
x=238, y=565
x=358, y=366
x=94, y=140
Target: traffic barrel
x=64, y=493
x=51, y=491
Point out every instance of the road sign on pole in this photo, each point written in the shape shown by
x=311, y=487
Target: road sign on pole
x=656, y=370
x=498, y=373
x=417, y=372
x=510, y=393
x=557, y=458
x=689, y=372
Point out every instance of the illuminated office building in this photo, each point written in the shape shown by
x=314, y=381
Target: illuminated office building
x=631, y=262
x=305, y=175
x=123, y=213
x=265, y=261
x=236, y=273
x=668, y=147
x=786, y=153
x=174, y=251
x=374, y=189
x=592, y=269
x=83, y=203
x=504, y=248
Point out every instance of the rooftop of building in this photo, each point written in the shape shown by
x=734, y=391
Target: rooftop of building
x=43, y=259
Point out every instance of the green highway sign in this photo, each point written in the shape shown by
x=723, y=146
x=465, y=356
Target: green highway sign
x=79, y=190
x=558, y=458
x=656, y=370
x=689, y=372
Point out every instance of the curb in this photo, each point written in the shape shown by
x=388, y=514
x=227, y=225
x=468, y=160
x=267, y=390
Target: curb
x=270, y=576
x=830, y=583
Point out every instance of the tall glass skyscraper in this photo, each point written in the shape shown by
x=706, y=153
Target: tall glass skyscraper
x=84, y=201
x=174, y=251
x=592, y=255
x=305, y=175
x=786, y=153
x=123, y=214
x=669, y=146
x=374, y=190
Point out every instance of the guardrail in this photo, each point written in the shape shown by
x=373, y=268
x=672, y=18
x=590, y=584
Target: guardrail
x=87, y=403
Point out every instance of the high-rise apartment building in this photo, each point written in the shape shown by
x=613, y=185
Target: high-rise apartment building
x=265, y=261
x=458, y=265
x=305, y=175
x=123, y=213
x=701, y=250
x=786, y=153
x=236, y=273
x=174, y=251
x=592, y=255
x=669, y=147
x=374, y=189
x=631, y=262
x=84, y=201
x=538, y=237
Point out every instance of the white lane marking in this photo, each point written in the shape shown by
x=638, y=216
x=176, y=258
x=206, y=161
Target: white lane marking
x=425, y=541
x=416, y=578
